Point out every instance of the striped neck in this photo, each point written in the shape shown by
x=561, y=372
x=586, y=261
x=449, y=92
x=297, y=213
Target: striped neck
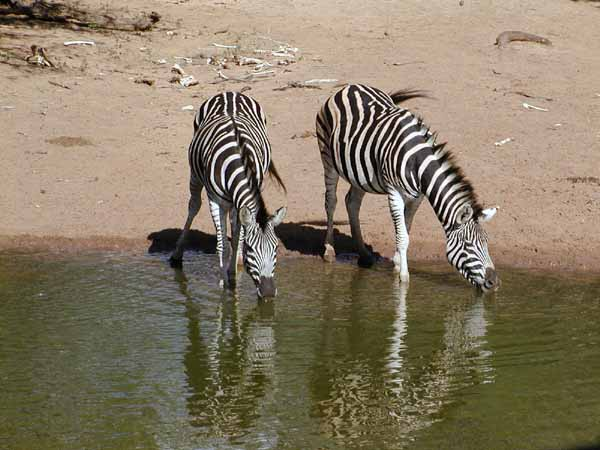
x=445, y=186
x=256, y=205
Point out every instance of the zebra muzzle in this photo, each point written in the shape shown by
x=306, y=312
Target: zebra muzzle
x=266, y=287
x=492, y=281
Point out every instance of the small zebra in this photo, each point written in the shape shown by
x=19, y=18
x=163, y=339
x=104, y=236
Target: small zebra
x=381, y=148
x=229, y=155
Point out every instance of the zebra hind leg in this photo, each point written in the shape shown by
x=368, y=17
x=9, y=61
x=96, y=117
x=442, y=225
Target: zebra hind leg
x=331, y=182
x=193, y=207
x=411, y=205
x=354, y=199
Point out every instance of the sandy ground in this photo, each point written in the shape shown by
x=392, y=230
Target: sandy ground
x=92, y=159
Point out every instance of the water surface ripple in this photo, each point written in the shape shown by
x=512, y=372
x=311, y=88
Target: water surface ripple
x=120, y=351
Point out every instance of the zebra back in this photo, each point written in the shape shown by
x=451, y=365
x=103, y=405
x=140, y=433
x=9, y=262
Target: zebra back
x=377, y=145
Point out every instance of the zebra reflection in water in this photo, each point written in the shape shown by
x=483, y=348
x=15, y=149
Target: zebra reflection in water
x=385, y=381
x=228, y=365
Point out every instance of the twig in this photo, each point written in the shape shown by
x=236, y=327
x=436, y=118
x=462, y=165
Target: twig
x=262, y=74
x=244, y=79
x=296, y=84
x=537, y=108
x=58, y=84
x=524, y=94
x=407, y=63
x=224, y=46
x=502, y=142
x=321, y=80
x=508, y=36
x=68, y=43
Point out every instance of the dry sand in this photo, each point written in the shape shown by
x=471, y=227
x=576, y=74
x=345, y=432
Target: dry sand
x=101, y=161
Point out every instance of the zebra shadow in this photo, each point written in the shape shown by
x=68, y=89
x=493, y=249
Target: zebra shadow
x=306, y=238
x=164, y=241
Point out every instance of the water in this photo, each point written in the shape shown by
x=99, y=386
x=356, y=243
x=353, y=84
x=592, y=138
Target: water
x=119, y=351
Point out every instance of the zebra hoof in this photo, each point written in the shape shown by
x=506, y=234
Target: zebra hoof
x=366, y=261
x=176, y=263
x=329, y=254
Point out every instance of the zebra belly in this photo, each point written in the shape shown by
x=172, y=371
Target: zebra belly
x=357, y=169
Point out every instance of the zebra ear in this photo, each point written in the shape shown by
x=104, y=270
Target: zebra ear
x=278, y=216
x=246, y=217
x=464, y=214
x=488, y=213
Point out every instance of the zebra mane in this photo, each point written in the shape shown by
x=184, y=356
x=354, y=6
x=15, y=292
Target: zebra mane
x=262, y=215
x=442, y=153
x=445, y=156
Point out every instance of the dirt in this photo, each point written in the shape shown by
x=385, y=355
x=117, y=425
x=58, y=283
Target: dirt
x=93, y=160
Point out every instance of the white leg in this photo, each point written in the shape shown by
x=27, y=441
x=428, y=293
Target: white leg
x=396, y=203
x=236, y=240
x=219, y=216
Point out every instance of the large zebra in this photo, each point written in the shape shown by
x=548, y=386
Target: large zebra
x=230, y=155
x=381, y=148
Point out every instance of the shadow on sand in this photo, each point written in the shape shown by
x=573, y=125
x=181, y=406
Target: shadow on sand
x=303, y=238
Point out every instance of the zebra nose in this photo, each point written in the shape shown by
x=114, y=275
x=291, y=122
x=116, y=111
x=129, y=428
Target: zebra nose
x=492, y=281
x=266, y=287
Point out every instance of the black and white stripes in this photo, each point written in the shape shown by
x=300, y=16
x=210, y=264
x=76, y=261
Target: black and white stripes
x=229, y=155
x=381, y=148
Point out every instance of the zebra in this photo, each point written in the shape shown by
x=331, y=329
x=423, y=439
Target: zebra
x=380, y=148
x=229, y=156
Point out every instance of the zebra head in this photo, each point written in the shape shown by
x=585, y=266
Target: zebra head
x=260, y=250
x=467, y=248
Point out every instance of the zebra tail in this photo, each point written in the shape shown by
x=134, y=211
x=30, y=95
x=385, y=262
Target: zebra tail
x=274, y=174
x=407, y=94
x=262, y=215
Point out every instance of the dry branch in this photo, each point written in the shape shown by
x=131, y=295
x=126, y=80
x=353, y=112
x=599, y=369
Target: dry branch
x=508, y=36
x=67, y=15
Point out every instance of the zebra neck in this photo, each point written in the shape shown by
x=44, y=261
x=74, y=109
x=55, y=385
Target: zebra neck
x=256, y=205
x=446, y=188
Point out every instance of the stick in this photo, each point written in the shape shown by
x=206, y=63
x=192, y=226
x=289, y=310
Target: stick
x=224, y=46
x=321, y=80
x=508, y=36
x=58, y=84
x=296, y=84
x=537, y=108
x=92, y=43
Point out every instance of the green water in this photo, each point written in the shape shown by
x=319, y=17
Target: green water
x=112, y=351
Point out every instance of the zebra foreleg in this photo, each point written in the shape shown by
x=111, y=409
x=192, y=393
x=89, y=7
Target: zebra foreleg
x=193, y=207
x=219, y=216
x=354, y=199
x=397, y=204
x=237, y=237
x=331, y=182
